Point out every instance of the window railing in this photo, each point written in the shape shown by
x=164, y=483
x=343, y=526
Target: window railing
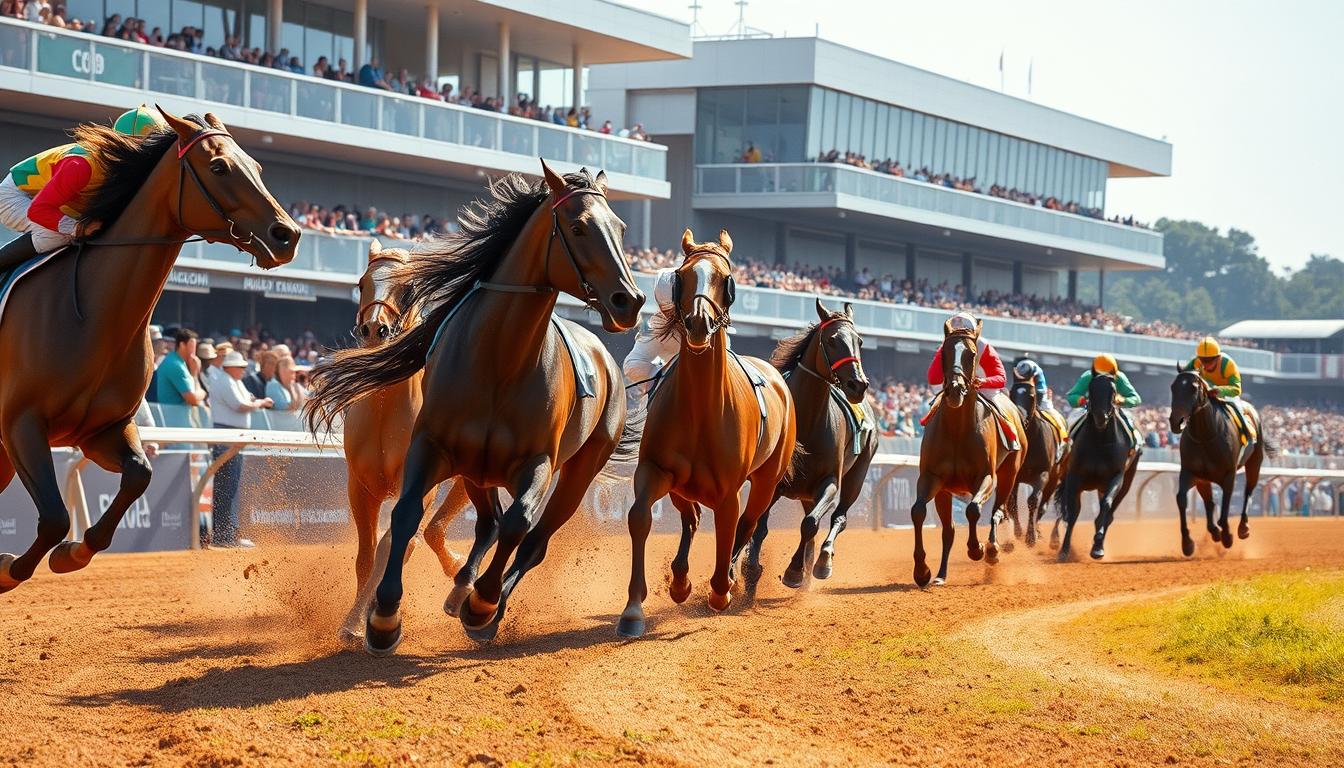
x=826, y=178
x=48, y=51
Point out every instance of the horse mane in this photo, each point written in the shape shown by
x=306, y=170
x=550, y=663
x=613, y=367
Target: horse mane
x=789, y=352
x=126, y=163
x=444, y=269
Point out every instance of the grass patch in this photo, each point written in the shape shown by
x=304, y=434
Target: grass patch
x=1281, y=633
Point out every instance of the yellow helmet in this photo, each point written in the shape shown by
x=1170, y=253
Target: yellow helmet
x=1105, y=363
x=1208, y=347
x=138, y=122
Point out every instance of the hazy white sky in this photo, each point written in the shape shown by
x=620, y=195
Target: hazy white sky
x=1251, y=95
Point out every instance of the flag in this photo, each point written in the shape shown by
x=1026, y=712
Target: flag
x=1030, y=66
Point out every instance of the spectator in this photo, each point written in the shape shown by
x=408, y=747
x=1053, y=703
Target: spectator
x=233, y=408
x=371, y=75
x=256, y=382
x=177, y=383
x=283, y=390
x=36, y=11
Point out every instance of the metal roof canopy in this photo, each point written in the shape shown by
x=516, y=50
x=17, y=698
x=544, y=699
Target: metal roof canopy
x=1284, y=329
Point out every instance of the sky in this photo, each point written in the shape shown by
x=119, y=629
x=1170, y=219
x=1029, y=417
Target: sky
x=1250, y=95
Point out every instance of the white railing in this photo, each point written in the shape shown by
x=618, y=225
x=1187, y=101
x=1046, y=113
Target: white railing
x=43, y=50
x=802, y=179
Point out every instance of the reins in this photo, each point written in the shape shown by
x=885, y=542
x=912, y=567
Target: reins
x=721, y=317
x=589, y=297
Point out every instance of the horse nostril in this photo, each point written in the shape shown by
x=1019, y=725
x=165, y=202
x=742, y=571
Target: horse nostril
x=620, y=301
x=282, y=234
x=364, y=331
x=383, y=330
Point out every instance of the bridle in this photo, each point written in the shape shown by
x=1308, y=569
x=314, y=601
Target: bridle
x=721, y=318
x=1201, y=401
x=395, y=327
x=831, y=365
x=958, y=372
x=589, y=297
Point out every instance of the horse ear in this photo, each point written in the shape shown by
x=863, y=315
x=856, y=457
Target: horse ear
x=849, y=309
x=601, y=182
x=822, y=311
x=687, y=241
x=214, y=122
x=1179, y=368
x=725, y=241
x=375, y=248
x=184, y=129
x=553, y=179
x=979, y=326
x=947, y=327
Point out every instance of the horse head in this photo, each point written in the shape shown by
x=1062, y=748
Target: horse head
x=592, y=236
x=1101, y=400
x=959, y=351
x=225, y=199
x=703, y=289
x=382, y=298
x=839, y=346
x=1189, y=394
x=1023, y=395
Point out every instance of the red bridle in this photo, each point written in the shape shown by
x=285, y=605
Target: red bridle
x=843, y=360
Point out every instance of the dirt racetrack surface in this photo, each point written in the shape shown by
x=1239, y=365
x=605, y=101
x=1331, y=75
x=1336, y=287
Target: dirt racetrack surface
x=230, y=658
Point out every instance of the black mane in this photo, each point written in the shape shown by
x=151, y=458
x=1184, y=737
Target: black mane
x=126, y=163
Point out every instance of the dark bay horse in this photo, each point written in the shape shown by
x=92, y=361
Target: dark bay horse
x=961, y=453
x=502, y=405
x=377, y=432
x=1043, y=467
x=1211, y=453
x=828, y=475
x=705, y=434
x=1101, y=460
x=73, y=372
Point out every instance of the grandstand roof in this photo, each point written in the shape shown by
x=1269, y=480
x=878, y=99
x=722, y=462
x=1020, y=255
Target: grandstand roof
x=1284, y=329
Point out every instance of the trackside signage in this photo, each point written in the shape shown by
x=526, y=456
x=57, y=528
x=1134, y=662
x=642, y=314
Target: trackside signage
x=188, y=281
x=279, y=288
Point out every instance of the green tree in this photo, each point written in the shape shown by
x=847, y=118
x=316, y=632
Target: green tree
x=1317, y=290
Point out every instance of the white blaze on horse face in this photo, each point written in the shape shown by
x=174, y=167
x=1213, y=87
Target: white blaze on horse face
x=704, y=277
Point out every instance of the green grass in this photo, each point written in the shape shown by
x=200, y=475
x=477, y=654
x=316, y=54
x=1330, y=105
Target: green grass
x=1280, y=633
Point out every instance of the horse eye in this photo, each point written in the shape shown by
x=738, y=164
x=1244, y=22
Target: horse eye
x=577, y=229
x=219, y=167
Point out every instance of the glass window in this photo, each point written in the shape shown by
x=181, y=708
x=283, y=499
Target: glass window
x=761, y=129
x=856, y=125
x=791, y=144
x=221, y=21
x=881, y=144
x=87, y=10
x=706, y=119
x=186, y=13
x=868, y=141
x=828, y=109
x=940, y=146
x=815, y=107
x=1012, y=179
x=904, y=152
x=1032, y=177
x=992, y=173
x=156, y=13
x=256, y=24
x=728, y=135
x=961, y=149
x=123, y=8
x=842, y=111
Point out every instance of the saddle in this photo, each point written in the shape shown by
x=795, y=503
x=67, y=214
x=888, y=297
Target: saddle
x=1243, y=415
x=11, y=278
x=1057, y=421
x=1004, y=427
x=754, y=376
x=1127, y=427
x=858, y=421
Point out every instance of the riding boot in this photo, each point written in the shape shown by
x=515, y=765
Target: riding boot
x=17, y=251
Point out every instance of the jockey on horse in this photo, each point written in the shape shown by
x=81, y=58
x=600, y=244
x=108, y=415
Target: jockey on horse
x=1105, y=363
x=1028, y=370
x=42, y=196
x=653, y=349
x=989, y=388
x=1220, y=372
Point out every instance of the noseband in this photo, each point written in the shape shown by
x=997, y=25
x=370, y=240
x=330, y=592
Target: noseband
x=832, y=366
x=721, y=318
x=396, y=327
x=589, y=297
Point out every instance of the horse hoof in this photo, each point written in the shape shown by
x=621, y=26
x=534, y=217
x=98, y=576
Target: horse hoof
x=940, y=581
x=992, y=554
x=719, y=603
x=1031, y=540
x=453, y=604
x=631, y=626
x=1187, y=546
x=1216, y=535
x=382, y=634
x=922, y=575
x=1064, y=555
x=1227, y=538
x=7, y=582
x=69, y=556
x=1009, y=545
x=349, y=639
x=792, y=579
x=1244, y=531
x=822, y=569
x=485, y=634
x=679, y=589
x=1054, y=541
x=976, y=554
x=476, y=614
x=1097, y=553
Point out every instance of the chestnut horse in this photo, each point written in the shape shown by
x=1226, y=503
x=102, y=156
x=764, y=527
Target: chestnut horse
x=961, y=454
x=502, y=401
x=705, y=433
x=1044, y=463
x=819, y=362
x=377, y=434
x=73, y=373
x=1211, y=452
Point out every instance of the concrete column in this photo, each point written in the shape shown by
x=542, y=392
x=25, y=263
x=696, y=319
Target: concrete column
x=576, y=98
x=275, y=25
x=910, y=262
x=851, y=256
x=1101, y=288
x=1017, y=277
x=781, y=244
x=432, y=43
x=361, y=34
x=646, y=225
x=505, y=66
x=536, y=79
x=1073, y=285
x=968, y=274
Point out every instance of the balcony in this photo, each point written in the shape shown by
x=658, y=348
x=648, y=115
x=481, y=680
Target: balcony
x=272, y=101
x=842, y=187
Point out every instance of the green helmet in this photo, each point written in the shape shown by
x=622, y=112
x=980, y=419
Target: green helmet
x=138, y=122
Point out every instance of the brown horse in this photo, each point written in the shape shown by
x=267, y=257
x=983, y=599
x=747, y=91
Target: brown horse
x=705, y=433
x=1044, y=462
x=503, y=404
x=822, y=363
x=377, y=433
x=961, y=454
x=73, y=372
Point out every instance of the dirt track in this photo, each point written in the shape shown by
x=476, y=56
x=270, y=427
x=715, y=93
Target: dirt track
x=178, y=659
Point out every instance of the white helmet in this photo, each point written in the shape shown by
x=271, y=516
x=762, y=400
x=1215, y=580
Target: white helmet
x=662, y=288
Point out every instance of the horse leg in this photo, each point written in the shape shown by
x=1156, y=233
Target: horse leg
x=1005, y=487
x=1183, y=483
x=925, y=488
x=1107, y=498
x=1252, y=480
x=489, y=509
x=982, y=494
x=116, y=449
x=826, y=497
x=651, y=484
x=1205, y=489
x=943, y=503
x=481, y=608
x=1034, y=500
x=1072, y=504
x=1011, y=508
x=1225, y=531
x=850, y=488
x=726, y=514
x=364, y=506
x=424, y=468
x=680, y=588
x=30, y=452
x=436, y=530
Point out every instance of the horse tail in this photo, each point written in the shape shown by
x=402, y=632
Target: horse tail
x=350, y=375
x=627, y=447
x=1271, y=448
x=797, y=462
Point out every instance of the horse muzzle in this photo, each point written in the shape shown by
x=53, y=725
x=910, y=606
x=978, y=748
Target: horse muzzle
x=621, y=310
x=855, y=389
x=1177, y=424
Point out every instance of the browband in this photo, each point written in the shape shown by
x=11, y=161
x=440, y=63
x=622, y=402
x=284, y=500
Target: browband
x=204, y=133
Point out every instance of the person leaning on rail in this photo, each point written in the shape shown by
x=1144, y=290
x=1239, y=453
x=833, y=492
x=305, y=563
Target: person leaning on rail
x=233, y=407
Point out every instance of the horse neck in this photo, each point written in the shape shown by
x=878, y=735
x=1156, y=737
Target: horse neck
x=706, y=370
x=965, y=418
x=1203, y=424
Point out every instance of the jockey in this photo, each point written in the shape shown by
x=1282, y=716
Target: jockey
x=987, y=387
x=41, y=197
x=1028, y=370
x=653, y=349
x=1129, y=397
x=1220, y=372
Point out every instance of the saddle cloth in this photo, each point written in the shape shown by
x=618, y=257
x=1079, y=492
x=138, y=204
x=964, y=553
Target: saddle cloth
x=1004, y=428
x=858, y=421
x=754, y=376
x=9, y=280
x=1248, y=416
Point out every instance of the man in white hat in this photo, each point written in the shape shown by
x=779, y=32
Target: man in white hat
x=231, y=407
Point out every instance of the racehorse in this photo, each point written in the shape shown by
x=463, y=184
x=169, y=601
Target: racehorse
x=75, y=356
x=377, y=433
x=1044, y=464
x=961, y=453
x=1101, y=460
x=822, y=366
x=502, y=379
x=1211, y=452
x=714, y=421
